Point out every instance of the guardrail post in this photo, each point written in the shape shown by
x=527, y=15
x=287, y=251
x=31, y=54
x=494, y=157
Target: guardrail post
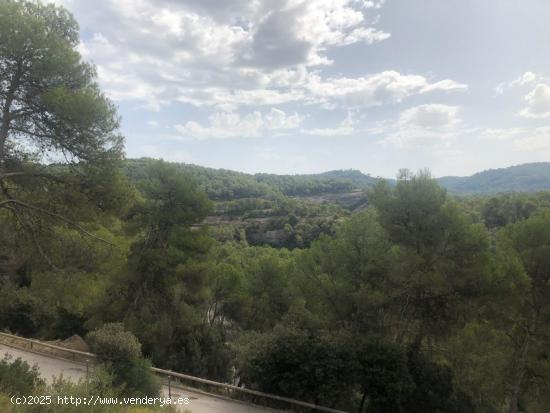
x=170, y=386
x=87, y=368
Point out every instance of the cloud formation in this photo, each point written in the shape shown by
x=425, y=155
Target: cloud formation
x=231, y=124
x=346, y=127
x=375, y=90
x=526, y=78
x=233, y=53
x=538, y=102
x=210, y=52
x=425, y=126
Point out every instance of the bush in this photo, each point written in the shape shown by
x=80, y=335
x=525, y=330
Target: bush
x=113, y=343
x=120, y=354
x=382, y=376
x=298, y=364
x=17, y=377
x=99, y=383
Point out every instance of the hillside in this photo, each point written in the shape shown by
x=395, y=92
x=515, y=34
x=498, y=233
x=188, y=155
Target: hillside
x=294, y=210
x=530, y=177
x=225, y=185
x=277, y=210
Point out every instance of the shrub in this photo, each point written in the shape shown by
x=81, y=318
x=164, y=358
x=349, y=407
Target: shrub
x=119, y=352
x=113, y=343
x=17, y=377
x=298, y=364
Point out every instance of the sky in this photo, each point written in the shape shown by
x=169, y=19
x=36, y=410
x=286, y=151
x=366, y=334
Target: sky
x=305, y=86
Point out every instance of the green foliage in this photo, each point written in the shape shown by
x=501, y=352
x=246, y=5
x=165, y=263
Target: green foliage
x=259, y=213
x=334, y=288
x=419, y=302
x=434, y=388
x=113, y=343
x=381, y=375
x=479, y=355
x=219, y=184
x=438, y=255
x=268, y=288
x=163, y=291
x=20, y=310
x=99, y=384
x=530, y=177
x=299, y=364
x=17, y=377
x=46, y=75
x=524, y=252
x=304, y=185
x=53, y=109
x=507, y=209
x=120, y=354
x=346, y=371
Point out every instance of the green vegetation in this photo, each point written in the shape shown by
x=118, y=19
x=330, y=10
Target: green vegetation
x=529, y=177
x=414, y=301
x=17, y=377
x=119, y=352
x=45, y=396
x=259, y=209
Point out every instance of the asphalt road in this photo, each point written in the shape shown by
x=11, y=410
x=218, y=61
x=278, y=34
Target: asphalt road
x=199, y=403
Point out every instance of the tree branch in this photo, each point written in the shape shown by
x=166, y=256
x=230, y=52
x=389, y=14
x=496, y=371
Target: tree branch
x=7, y=202
x=30, y=175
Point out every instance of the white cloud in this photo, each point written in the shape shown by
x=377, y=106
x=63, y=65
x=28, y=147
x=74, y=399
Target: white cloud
x=525, y=139
x=210, y=52
x=430, y=116
x=424, y=125
x=346, y=127
x=231, y=124
x=152, y=123
x=236, y=53
x=526, y=78
x=375, y=4
x=294, y=32
x=538, y=102
x=374, y=90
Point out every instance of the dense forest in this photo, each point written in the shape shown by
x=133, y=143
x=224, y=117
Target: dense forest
x=398, y=298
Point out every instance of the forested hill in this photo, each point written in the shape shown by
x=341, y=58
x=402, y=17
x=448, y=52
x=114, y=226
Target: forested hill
x=530, y=177
x=277, y=210
x=224, y=185
x=294, y=210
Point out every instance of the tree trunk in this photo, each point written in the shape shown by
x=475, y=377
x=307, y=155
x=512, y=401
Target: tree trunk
x=6, y=112
x=4, y=128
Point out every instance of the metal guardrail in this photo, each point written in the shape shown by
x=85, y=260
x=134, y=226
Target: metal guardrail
x=228, y=390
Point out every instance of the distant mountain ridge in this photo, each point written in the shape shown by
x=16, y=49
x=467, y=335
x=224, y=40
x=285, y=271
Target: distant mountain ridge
x=223, y=184
x=529, y=177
